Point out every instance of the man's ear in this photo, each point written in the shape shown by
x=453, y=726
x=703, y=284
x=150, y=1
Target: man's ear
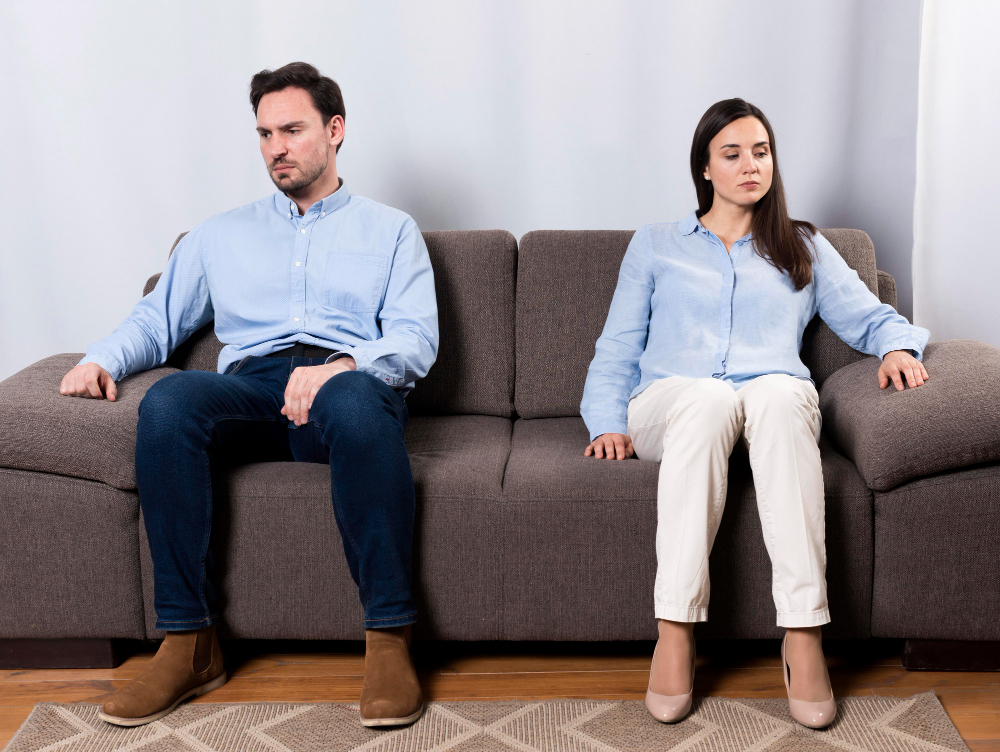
x=334, y=128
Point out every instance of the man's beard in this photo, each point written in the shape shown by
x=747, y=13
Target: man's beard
x=292, y=185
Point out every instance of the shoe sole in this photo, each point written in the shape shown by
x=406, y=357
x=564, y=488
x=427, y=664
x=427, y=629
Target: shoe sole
x=405, y=721
x=195, y=692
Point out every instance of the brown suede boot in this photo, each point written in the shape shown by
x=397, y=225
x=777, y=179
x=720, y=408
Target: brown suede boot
x=391, y=693
x=187, y=664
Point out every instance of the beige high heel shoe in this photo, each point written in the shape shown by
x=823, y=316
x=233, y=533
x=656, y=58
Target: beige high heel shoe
x=669, y=708
x=817, y=715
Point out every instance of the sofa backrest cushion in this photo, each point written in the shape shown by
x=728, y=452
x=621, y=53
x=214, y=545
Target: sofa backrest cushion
x=474, y=372
x=565, y=282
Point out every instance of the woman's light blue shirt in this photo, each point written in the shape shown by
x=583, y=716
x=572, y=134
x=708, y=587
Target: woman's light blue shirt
x=685, y=307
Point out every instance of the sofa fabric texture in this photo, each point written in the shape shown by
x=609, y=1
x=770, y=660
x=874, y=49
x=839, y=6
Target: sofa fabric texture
x=937, y=568
x=48, y=432
x=950, y=422
x=68, y=555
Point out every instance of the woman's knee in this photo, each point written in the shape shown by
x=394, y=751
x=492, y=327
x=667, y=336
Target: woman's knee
x=709, y=400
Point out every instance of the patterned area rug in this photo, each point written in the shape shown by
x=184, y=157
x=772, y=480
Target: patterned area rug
x=885, y=724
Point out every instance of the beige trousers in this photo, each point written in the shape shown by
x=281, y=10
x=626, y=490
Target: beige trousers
x=690, y=427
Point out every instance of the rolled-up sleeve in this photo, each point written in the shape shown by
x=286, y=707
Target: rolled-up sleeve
x=853, y=311
x=614, y=371
x=408, y=318
x=177, y=307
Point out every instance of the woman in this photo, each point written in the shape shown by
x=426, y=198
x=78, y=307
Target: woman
x=702, y=344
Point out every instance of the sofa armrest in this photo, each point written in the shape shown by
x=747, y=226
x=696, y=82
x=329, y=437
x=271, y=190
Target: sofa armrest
x=886, y=288
x=48, y=432
x=950, y=422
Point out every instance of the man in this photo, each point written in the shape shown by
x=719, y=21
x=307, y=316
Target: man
x=325, y=302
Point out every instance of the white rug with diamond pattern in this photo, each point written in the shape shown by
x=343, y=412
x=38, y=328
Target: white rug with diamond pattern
x=868, y=724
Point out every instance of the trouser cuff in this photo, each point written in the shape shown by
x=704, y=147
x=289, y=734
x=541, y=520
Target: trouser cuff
x=804, y=618
x=392, y=621
x=184, y=626
x=680, y=613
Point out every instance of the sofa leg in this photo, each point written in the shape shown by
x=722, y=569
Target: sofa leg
x=62, y=653
x=951, y=655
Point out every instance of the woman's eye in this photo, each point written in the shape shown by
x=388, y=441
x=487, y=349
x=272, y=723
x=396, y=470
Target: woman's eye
x=731, y=156
x=762, y=154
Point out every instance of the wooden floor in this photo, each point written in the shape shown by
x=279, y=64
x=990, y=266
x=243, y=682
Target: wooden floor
x=274, y=671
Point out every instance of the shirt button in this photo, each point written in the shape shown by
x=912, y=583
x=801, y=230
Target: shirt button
x=298, y=263
x=303, y=230
x=296, y=318
x=322, y=214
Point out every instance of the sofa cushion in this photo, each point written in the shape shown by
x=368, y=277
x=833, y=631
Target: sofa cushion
x=69, y=552
x=936, y=558
x=283, y=572
x=43, y=430
x=950, y=422
x=474, y=279
x=579, y=554
x=474, y=371
x=565, y=283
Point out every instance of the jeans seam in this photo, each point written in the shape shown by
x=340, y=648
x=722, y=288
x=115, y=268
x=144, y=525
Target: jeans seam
x=391, y=618
x=239, y=365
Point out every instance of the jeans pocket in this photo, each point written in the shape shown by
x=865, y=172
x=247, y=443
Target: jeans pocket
x=239, y=365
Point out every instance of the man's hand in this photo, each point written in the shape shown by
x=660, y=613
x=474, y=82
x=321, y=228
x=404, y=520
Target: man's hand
x=896, y=365
x=610, y=445
x=305, y=382
x=89, y=380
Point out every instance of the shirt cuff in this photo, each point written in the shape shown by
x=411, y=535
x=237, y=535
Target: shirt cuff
x=908, y=345
x=364, y=364
x=109, y=363
x=609, y=428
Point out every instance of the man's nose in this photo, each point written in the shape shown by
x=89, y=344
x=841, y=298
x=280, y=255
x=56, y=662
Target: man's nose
x=277, y=147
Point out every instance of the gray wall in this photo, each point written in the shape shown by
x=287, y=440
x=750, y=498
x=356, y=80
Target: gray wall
x=125, y=123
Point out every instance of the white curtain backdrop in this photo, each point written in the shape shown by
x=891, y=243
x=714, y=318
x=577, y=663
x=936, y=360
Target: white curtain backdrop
x=956, y=264
x=125, y=123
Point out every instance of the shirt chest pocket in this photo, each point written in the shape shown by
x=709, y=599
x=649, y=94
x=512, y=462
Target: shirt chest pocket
x=354, y=282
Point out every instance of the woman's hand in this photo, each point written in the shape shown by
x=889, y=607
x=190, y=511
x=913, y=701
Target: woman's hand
x=896, y=365
x=611, y=446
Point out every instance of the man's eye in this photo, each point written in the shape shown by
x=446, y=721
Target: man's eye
x=293, y=131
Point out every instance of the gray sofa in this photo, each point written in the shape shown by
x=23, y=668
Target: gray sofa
x=518, y=536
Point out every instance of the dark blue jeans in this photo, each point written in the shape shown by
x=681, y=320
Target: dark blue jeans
x=194, y=424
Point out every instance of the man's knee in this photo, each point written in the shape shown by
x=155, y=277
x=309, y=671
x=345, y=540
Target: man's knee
x=356, y=405
x=175, y=398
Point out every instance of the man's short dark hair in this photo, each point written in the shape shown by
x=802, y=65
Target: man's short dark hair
x=324, y=91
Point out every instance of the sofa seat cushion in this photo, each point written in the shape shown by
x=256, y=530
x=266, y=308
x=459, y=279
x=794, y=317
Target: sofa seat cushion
x=579, y=552
x=43, y=430
x=951, y=422
x=282, y=571
x=458, y=456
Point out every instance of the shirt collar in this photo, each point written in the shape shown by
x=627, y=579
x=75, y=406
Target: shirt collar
x=331, y=203
x=690, y=224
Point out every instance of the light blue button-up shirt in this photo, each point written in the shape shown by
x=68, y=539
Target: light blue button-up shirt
x=351, y=275
x=685, y=307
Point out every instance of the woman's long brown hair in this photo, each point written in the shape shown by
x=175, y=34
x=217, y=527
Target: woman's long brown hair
x=782, y=241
